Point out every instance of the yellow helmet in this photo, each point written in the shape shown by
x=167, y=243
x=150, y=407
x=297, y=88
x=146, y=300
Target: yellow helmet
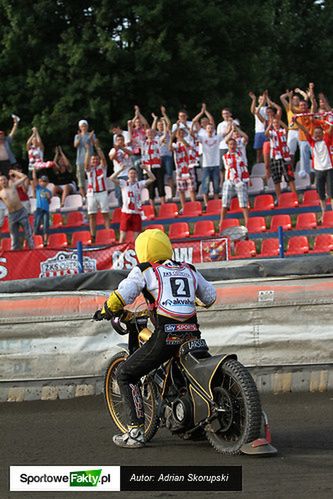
x=153, y=245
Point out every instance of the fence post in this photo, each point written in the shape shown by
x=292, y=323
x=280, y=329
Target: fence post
x=79, y=248
x=281, y=245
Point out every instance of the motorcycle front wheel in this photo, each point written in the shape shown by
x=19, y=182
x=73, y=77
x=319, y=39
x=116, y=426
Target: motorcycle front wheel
x=239, y=410
x=116, y=406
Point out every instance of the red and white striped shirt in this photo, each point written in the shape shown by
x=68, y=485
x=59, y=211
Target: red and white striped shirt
x=181, y=159
x=235, y=168
x=138, y=137
x=151, y=154
x=279, y=147
x=131, y=194
x=96, y=179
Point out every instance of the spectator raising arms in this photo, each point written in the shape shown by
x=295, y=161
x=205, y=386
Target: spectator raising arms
x=184, y=174
x=62, y=176
x=7, y=158
x=259, y=136
x=163, y=126
x=121, y=157
x=236, y=180
x=82, y=139
x=290, y=102
x=17, y=214
x=131, y=193
x=280, y=160
x=321, y=145
x=151, y=159
x=97, y=194
x=43, y=199
x=136, y=137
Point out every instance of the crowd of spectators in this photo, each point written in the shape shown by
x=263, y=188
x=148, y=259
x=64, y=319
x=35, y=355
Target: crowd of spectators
x=161, y=153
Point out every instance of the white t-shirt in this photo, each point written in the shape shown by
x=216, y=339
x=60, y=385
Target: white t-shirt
x=259, y=127
x=187, y=128
x=210, y=150
x=131, y=194
x=124, y=133
x=121, y=158
x=222, y=130
x=321, y=157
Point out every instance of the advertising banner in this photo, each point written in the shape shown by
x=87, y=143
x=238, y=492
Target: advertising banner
x=29, y=264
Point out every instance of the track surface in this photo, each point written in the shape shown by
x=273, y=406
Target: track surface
x=79, y=431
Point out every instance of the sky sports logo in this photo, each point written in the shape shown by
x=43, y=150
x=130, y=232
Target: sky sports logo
x=64, y=478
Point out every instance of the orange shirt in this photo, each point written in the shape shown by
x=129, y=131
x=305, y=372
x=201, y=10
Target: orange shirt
x=308, y=123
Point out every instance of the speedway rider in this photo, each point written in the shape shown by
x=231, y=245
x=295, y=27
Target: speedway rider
x=170, y=289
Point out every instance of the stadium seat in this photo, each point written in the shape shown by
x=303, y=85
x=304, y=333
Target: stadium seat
x=311, y=198
x=256, y=224
x=258, y=170
x=297, y=245
x=323, y=243
x=263, y=202
x=229, y=222
x=58, y=240
x=100, y=218
x=32, y=205
x=288, y=200
x=245, y=249
x=116, y=216
x=204, y=228
x=283, y=221
x=214, y=207
x=38, y=242
x=148, y=211
x=83, y=236
x=129, y=237
x=155, y=226
x=192, y=209
x=306, y=221
x=113, y=201
x=6, y=244
x=57, y=221
x=5, y=226
x=74, y=219
x=234, y=206
x=168, y=210
x=256, y=185
x=270, y=247
x=105, y=236
x=144, y=195
x=72, y=202
x=327, y=219
x=55, y=204
x=179, y=230
x=302, y=182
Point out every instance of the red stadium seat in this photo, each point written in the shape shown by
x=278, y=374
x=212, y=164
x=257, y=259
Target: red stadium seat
x=57, y=221
x=58, y=240
x=129, y=237
x=288, y=200
x=327, y=219
x=311, y=198
x=105, y=236
x=234, y=206
x=214, y=207
x=168, y=210
x=306, y=221
x=192, y=209
x=6, y=244
x=229, y=222
x=38, y=242
x=116, y=216
x=100, y=218
x=270, y=247
x=148, y=211
x=204, y=228
x=156, y=226
x=323, y=243
x=298, y=245
x=179, y=230
x=283, y=221
x=263, y=202
x=74, y=219
x=245, y=249
x=256, y=224
x=5, y=226
x=83, y=236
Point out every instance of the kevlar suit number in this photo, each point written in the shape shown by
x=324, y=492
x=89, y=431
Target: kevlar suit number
x=180, y=286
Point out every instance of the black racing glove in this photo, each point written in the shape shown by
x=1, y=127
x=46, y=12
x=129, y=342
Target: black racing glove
x=98, y=316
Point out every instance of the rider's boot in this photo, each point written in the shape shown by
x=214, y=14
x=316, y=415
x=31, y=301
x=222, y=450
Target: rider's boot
x=132, y=439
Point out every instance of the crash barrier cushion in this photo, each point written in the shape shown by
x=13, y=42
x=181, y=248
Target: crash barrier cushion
x=219, y=271
x=49, y=339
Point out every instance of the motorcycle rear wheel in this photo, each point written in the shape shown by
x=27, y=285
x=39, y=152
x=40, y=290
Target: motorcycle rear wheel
x=240, y=420
x=115, y=404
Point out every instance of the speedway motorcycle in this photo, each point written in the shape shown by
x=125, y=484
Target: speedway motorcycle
x=194, y=395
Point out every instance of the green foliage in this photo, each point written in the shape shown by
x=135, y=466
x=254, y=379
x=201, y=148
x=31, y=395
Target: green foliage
x=65, y=60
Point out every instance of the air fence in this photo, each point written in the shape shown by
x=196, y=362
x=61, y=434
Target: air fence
x=277, y=316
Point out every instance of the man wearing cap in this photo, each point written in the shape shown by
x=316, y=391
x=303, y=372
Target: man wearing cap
x=82, y=138
x=17, y=214
x=170, y=289
x=7, y=158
